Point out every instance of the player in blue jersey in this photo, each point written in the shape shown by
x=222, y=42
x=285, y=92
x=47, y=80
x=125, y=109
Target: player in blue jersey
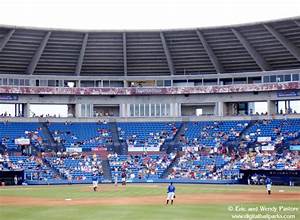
x=95, y=180
x=171, y=193
x=268, y=183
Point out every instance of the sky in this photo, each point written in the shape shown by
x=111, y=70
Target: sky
x=139, y=14
x=142, y=14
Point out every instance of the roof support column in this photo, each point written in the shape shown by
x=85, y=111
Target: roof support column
x=216, y=63
x=81, y=55
x=125, y=53
x=252, y=52
x=285, y=42
x=6, y=39
x=167, y=53
x=38, y=53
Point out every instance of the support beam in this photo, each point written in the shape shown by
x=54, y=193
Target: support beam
x=81, y=55
x=6, y=39
x=285, y=42
x=260, y=61
x=220, y=108
x=217, y=65
x=271, y=107
x=26, y=110
x=167, y=53
x=125, y=53
x=38, y=53
x=297, y=23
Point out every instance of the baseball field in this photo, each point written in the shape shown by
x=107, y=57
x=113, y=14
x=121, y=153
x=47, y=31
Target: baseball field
x=147, y=201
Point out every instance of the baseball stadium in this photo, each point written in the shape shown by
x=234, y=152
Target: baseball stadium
x=196, y=123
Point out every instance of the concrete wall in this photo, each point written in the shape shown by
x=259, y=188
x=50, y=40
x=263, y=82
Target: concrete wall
x=175, y=101
x=190, y=110
x=154, y=119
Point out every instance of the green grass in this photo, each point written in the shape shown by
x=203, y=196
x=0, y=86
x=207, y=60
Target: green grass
x=140, y=212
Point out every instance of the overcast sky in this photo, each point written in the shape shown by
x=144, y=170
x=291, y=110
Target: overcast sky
x=142, y=14
x=139, y=14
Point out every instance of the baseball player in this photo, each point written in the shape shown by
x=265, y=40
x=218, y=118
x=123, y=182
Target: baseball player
x=123, y=176
x=95, y=180
x=268, y=183
x=116, y=177
x=171, y=193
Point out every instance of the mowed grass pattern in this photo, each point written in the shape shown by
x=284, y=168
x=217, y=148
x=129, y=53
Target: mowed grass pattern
x=139, y=211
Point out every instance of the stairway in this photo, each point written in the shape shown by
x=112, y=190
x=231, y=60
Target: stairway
x=52, y=145
x=119, y=148
x=243, y=132
x=172, y=145
x=233, y=144
x=55, y=171
x=180, y=132
x=167, y=171
x=106, y=170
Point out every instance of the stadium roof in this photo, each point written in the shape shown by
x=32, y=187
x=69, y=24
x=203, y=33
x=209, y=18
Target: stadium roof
x=265, y=46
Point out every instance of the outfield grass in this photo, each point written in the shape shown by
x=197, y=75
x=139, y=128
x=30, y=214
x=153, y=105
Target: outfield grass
x=140, y=212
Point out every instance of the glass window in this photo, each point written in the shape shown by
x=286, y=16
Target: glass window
x=168, y=110
x=60, y=83
x=168, y=83
x=208, y=82
x=99, y=83
x=136, y=110
x=0, y=81
x=43, y=82
x=295, y=77
x=16, y=82
x=88, y=111
x=116, y=84
x=131, y=110
x=26, y=82
x=180, y=83
x=160, y=83
x=5, y=81
x=198, y=82
x=163, y=109
x=152, y=109
x=279, y=78
x=146, y=109
x=287, y=78
x=142, y=109
x=157, y=112
x=105, y=83
x=51, y=83
x=10, y=82
x=22, y=82
x=272, y=78
x=82, y=110
x=266, y=79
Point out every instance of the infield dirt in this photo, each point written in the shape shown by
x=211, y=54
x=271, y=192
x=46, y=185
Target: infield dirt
x=207, y=198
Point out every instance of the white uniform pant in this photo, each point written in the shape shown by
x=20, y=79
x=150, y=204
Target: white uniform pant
x=170, y=196
x=95, y=183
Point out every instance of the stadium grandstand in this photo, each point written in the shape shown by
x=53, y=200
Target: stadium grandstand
x=202, y=105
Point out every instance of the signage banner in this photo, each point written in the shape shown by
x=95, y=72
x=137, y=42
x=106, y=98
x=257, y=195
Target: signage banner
x=8, y=97
x=263, y=139
x=138, y=149
x=98, y=149
x=74, y=149
x=287, y=93
x=268, y=147
x=22, y=141
x=295, y=147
